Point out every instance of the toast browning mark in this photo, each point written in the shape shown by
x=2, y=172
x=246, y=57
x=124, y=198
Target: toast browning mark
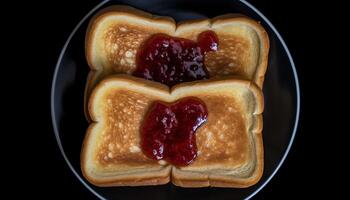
x=122, y=42
x=124, y=113
x=230, y=57
x=223, y=139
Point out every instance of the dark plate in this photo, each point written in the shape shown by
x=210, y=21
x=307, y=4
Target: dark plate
x=281, y=91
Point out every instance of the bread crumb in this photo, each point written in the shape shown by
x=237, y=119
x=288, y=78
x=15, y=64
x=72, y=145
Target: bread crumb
x=110, y=155
x=129, y=61
x=122, y=61
x=128, y=54
x=140, y=101
x=162, y=162
x=209, y=136
x=111, y=146
x=134, y=149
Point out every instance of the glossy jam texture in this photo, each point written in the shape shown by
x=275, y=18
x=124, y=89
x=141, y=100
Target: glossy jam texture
x=168, y=131
x=170, y=60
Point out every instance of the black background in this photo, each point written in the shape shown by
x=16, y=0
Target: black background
x=41, y=31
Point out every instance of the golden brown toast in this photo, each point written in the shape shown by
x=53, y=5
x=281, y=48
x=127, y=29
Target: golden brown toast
x=230, y=150
x=115, y=34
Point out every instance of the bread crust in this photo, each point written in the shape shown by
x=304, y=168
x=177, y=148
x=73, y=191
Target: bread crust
x=128, y=181
x=96, y=80
x=172, y=173
x=96, y=73
x=214, y=22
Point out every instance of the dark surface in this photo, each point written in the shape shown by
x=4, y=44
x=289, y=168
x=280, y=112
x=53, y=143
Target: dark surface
x=302, y=174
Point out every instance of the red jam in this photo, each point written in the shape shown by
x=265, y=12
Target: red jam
x=170, y=60
x=168, y=131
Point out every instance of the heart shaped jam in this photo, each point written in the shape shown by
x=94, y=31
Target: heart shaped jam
x=170, y=60
x=168, y=131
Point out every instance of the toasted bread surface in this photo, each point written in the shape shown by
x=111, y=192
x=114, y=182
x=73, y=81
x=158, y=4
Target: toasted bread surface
x=116, y=34
x=230, y=151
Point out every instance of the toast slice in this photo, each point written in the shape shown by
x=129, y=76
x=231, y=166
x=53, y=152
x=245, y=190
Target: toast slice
x=230, y=149
x=115, y=34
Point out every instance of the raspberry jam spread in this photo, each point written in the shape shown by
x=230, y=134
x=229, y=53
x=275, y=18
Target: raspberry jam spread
x=168, y=131
x=170, y=60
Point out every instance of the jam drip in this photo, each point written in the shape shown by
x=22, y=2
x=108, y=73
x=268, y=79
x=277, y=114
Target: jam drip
x=170, y=60
x=168, y=131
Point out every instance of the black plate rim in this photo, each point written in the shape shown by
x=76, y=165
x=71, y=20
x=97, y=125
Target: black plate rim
x=296, y=81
